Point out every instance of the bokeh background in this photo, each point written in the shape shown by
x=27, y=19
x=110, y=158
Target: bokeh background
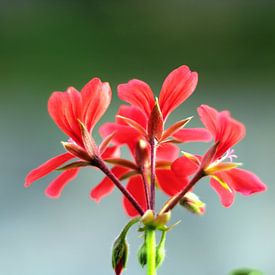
x=50, y=45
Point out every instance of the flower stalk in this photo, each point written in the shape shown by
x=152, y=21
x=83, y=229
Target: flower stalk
x=151, y=251
x=153, y=173
x=174, y=201
x=99, y=163
x=146, y=187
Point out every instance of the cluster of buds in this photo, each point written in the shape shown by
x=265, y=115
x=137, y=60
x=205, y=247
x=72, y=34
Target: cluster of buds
x=156, y=162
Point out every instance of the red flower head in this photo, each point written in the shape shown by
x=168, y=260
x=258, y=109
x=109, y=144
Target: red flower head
x=146, y=117
x=76, y=113
x=226, y=177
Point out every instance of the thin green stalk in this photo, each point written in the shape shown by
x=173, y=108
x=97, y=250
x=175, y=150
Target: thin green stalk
x=151, y=251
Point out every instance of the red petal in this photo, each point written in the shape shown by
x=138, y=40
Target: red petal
x=226, y=197
x=136, y=188
x=193, y=134
x=244, y=181
x=177, y=87
x=184, y=167
x=106, y=186
x=123, y=135
x=223, y=127
x=111, y=152
x=46, y=168
x=137, y=93
x=230, y=133
x=169, y=182
x=133, y=113
x=209, y=118
x=60, y=109
x=56, y=186
x=96, y=97
x=167, y=151
x=72, y=109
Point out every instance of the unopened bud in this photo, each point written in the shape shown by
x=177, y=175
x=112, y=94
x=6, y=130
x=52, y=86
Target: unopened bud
x=155, y=123
x=119, y=254
x=142, y=255
x=148, y=217
x=120, y=249
x=193, y=203
x=160, y=250
x=163, y=218
x=141, y=152
x=77, y=151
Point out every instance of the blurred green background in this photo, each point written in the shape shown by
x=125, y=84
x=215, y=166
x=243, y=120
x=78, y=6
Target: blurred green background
x=50, y=45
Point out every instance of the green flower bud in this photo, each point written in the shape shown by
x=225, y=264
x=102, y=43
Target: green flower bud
x=148, y=217
x=142, y=255
x=120, y=249
x=119, y=254
x=160, y=250
x=193, y=203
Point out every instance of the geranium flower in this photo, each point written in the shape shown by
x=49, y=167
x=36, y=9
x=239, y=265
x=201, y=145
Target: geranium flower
x=76, y=114
x=167, y=181
x=144, y=114
x=226, y=177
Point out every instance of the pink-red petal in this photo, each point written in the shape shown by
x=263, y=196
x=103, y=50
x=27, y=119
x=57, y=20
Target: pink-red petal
x=111, y=152
x=209, y=118
x=59, y=108
x=55, y=188
x=106, y=186
x=169, y=182
x=226, y=197
x=244, y=181
x=192, y=135
x=133, y=113
x=96, y=97
x=167, y=151
x=184, y=167
x=176, y=88
x=137, y=93
x=136, y=188
x=123, y=134
x=230, y=133
x=46, y=168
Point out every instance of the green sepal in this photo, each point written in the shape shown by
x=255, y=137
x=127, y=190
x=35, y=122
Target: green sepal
x=75, y=164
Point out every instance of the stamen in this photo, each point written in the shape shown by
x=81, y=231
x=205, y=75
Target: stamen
x=229, y=155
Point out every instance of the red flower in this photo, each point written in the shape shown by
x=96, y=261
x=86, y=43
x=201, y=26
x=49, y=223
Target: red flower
x=166, y=179
x=218, y=163
x=137, y=120
x=76, y=113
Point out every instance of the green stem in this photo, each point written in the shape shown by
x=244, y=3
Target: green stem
x=151, y=251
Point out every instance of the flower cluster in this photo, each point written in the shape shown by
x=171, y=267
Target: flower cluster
x=156, y=161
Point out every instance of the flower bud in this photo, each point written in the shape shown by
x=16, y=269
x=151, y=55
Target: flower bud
x=155, y=123
x=141, y=153
x=119, y=254
x=142, y=255
x=163, y=218
x=120, y=248
x=160, y=250
x=77, y=151
x=193, y=203
x=148, y=217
